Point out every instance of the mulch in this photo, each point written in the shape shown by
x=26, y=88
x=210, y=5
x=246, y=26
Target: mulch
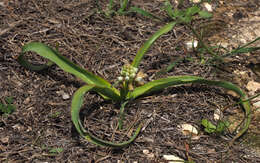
x=42, y=120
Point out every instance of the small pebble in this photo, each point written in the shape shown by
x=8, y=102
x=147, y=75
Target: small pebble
x=172, y=158
x=27, y=100
x=5, y=140
x=218, y=114
x=148, y=154
x=191, y=44
x=253, y=86
x=188, y=129
x=145, y=151
x=256, y=104
x=208, y=6
x=195, y=1
x=65, y=96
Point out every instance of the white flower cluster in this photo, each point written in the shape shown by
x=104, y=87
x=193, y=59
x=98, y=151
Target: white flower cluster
x=129, y=73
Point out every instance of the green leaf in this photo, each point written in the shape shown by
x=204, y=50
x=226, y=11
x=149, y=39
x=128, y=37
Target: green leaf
x=168, y=9
x=221, y=126
x=56, y=150
x=7, y=108
x=243, y=48
x=178, y=13
x=9, y=100
x=160, y=84
x=65, y=64
x=10, y=108
x=209, y=127
x=205, y=14
x=123, y=5
x=192, y=11
x=150, y=41
x=76, y=104
x=186, y=19
x=145, y=13
x=110, y=8
x=170, y=67
x=1, y=106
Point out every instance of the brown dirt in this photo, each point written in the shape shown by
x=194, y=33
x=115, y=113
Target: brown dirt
x=42, y=119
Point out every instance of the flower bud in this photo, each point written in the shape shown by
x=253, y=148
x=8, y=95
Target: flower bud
x=132, y=75
x=120, y=78
x=138, y=79
x=135, y=69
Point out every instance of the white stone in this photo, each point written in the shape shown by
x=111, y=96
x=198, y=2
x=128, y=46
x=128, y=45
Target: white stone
x=256, y=99
x=2, y=4
x=195, y=1
x=172, y=158
x=65, y=96
x=120, y=78
x=145, y=151
x=208, y=6
x=191, y=44
x=256, y=104
x=188, y=129
x=253, y=86
x=217, y=114
x=5, y=139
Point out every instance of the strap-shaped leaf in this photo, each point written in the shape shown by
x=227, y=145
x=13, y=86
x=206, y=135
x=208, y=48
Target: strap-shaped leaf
x=33, y=67
x=65, y=64
x=145, y=13
x=76, y=104
x=160, y=84
x=150, y=41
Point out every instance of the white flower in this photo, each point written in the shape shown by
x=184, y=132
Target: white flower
x=127, y=78
x=122, y=72
x=132, y=75
x=120, y=78
x=191, y=44
x=138, y=79
x=135, y=69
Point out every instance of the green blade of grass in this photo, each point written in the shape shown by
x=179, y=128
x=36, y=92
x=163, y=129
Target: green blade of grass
x=170, y=67
x=110, y=8
x=243, y=49
x=205, y=14
x=150, y=41
x=65, y=64
x=76, y=104
x=168, y=8
x=145, y=13
x=237, y=51
x=192, y=10
x=123, y=5
x=209, y=127
x=160, y=84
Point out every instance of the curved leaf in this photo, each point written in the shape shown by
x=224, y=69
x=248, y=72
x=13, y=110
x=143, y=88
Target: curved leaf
x=145, y=13
x=65, y=64
x=33, y=67
x=76, y=104
x=179, y=80
x=160, y=84
x=150, y=41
